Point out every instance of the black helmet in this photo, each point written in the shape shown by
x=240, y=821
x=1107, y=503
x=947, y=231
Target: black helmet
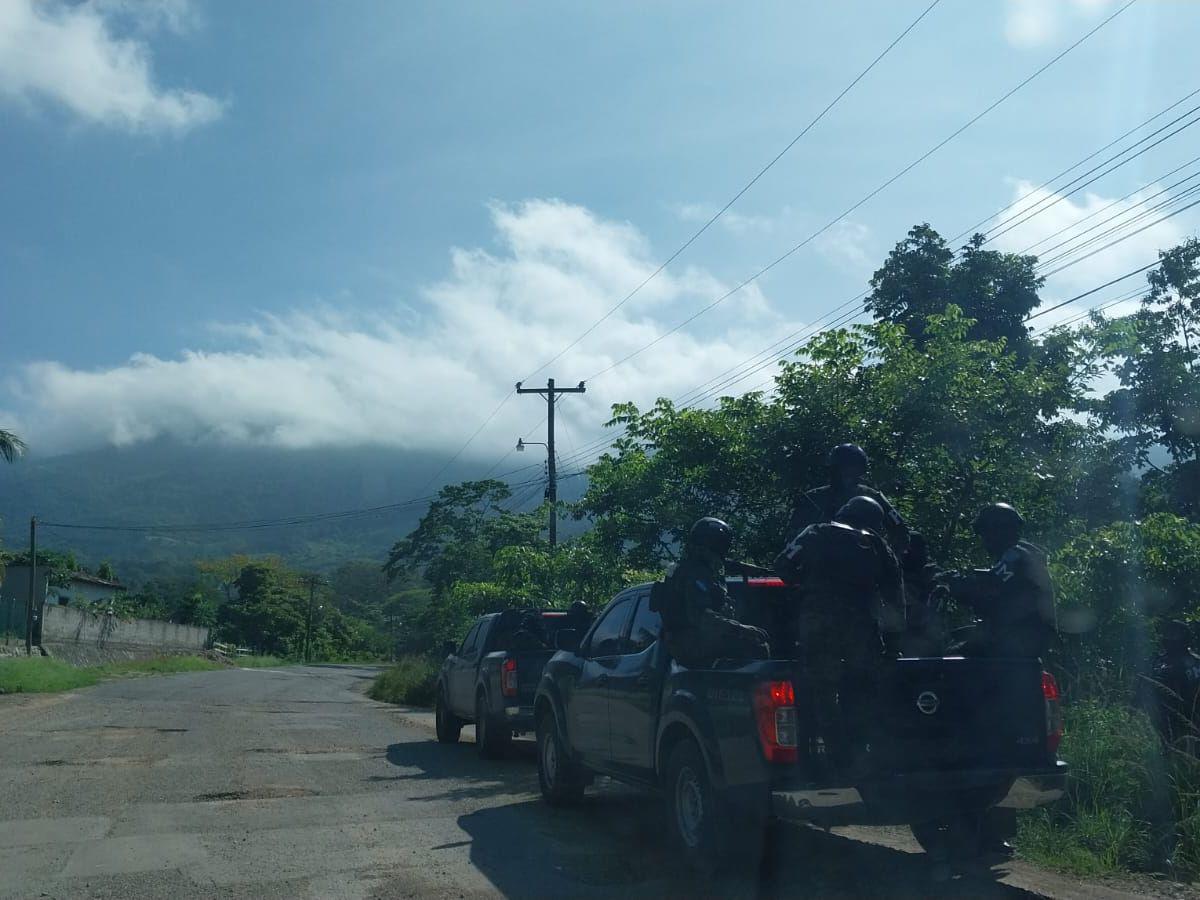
x=999, y=519
x=712, y=535
x=861, y=512
x=580, y=608
x=848, y=456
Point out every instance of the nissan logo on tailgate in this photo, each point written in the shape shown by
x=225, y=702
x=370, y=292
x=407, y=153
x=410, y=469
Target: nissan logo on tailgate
x=928, y=702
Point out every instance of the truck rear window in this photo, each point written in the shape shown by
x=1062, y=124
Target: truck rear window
x=533, y=630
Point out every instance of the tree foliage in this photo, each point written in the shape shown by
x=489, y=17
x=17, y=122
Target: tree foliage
x=921, y=277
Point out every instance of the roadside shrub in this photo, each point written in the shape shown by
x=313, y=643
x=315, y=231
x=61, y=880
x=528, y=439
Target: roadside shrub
x=1122, y=798
x=412, y=682
x=39, y=674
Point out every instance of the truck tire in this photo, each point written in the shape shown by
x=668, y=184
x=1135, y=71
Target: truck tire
x=448, y=725
x=491, y=739
x=559, y=778
x=695, y=810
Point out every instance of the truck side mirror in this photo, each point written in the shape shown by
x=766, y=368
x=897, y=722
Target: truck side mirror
x=448, y=648
x=566, y=639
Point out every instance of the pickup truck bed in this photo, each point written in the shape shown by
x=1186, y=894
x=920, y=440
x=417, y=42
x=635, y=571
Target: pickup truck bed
x=942, y=740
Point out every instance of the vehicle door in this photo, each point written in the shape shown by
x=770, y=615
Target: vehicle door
x=587, y=710
x=462, y=673
x=634, y=691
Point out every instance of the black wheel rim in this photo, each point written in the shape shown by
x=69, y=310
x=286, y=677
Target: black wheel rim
x=689, y=807
x=549, y=760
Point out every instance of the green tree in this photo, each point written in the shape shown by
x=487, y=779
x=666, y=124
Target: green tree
x=1156, y=358
x=459, y=535
x=952, y=423
x=921, y=277
x=1112, y=583
x=11, y=446
x=266, y=613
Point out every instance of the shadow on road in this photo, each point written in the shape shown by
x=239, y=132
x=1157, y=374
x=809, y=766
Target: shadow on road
x=472, y=777
x=615, y=842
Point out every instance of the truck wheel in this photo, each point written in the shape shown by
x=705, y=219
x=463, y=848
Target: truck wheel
x=491, y=739
x=694, y=809
x=558, y=777
x=448, y=725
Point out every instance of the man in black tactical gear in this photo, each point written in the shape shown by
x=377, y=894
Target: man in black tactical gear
x=1014, y=599
x=925, y=632
x=847, y=464
x=850, y=592
x=698, y=624
x=1172, y=693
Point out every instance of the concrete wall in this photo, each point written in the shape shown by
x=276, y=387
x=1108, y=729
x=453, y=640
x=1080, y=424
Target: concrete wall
x=65, y=625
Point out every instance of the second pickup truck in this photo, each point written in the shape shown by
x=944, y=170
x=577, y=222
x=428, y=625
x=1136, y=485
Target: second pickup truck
x=490, y=678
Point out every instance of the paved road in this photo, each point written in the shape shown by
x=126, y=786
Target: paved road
x=290, y=783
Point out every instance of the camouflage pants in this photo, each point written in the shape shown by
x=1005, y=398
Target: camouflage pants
x=841, y=657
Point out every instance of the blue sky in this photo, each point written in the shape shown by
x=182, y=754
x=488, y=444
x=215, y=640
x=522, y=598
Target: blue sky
x=314, y=223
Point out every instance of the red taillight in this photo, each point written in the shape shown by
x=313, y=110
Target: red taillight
x=775, y=713
x=1054, y=715
x=508, y=678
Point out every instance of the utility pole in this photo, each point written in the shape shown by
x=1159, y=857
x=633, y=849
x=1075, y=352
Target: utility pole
x=312, y=581
x=32, y=582
x=549, y=391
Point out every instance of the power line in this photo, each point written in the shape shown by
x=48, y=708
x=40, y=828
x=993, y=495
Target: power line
x=467, y=443
x=1113, y=203
x=920, y=159
x=1069, y=169
x=1017, y=219
x=761, y=172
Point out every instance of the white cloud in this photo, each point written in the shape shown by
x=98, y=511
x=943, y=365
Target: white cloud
x=329, y=377
x=732, y=221
x=1090, y=218
x=72, y=55
x=1032, y=23
x=849, y=246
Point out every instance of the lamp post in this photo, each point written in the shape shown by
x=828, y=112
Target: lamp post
x=551, y=491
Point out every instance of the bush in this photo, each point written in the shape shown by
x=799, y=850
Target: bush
x=412, y=682
x=159, y=665
x=1131, y=803
x=38, y=674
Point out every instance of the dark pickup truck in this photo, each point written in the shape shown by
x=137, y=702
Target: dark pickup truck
x=490, y=678
x=730, y=747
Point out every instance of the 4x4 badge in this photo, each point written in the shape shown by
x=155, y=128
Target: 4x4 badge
x=928, y=702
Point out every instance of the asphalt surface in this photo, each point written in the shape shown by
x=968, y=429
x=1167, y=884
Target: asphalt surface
x=291, y=783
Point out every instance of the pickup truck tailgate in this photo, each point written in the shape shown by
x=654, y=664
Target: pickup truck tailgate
x=956, y=713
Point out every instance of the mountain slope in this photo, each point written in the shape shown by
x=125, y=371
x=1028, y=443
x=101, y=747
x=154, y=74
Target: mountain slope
x=164, y=483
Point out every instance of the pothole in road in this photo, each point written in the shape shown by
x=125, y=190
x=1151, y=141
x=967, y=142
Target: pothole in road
x=263, y=793
x=100, y=761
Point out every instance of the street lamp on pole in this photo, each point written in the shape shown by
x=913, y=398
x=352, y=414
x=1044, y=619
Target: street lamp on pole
x=550, y=493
